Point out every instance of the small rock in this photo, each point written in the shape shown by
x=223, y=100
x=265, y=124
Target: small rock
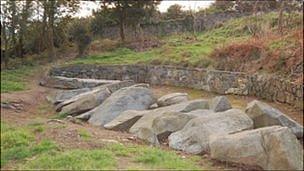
x=220, y=104
x=172, y=98
x=55, y=121
x=131, y=138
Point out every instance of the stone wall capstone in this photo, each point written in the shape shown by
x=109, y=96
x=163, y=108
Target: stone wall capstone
x=222, y=82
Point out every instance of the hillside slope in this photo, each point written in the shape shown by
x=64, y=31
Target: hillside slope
x=248, y=44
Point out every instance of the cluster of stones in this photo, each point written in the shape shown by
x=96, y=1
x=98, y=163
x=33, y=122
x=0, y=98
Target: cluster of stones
x=260, y=136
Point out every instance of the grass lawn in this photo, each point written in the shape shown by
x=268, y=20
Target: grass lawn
x=20, y=150
x=16, y=79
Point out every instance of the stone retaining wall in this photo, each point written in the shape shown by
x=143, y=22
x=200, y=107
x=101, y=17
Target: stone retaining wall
x=221, y=82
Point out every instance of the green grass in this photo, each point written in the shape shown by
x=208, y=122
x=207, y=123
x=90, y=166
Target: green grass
x=84, y=134
x=159, y=159
x=36, y=127
x=153, y=157
x=19, y=143
x=20, y=150
x=15, y=79
x=73, y=160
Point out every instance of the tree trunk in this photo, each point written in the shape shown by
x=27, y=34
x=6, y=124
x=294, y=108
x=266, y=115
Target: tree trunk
x=121, y=27
x=50, y=30
x=13, y=27
x=122, y=18
x=5, y=55
x=281, y=18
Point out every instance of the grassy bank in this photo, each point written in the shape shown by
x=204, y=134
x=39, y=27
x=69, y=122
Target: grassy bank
x=20, y=149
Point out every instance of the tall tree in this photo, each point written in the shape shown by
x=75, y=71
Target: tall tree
x=54, y=10
x=123, y=10
x=4, y=35
x=12, y=24
x=23, y=21
x=174, y=12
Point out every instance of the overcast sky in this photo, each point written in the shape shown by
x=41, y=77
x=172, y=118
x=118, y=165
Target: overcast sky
x=87, y=7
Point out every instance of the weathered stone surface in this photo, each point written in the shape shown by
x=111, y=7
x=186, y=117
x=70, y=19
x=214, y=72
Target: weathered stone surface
x=200, y=112
x=143, y=127
x=85, y=116
x=63, y=95
x=194, y=137
x=153, y=106
x=116, y=86
x=171, y=99
x=129, y=98
x=169, y=122
x=86, y=103
x=125, y=120
x=272, y=148
x=97, y=90
x=73, y=83
x=263, y=115
x=219, y=104
x=141, y=85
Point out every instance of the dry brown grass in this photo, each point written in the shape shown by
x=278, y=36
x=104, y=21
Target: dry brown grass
x=270, y=52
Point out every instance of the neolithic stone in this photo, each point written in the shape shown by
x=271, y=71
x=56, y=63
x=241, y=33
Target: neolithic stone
x=194, y=137
x=73, y=83
x=86, y=103
x=129, y=98
x=171, y=99
x=143, y=128
x=219, y=104
x=272, y=148
x=263, y=115
x=125, y=120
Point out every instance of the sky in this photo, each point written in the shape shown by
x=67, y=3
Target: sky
x=87, y=7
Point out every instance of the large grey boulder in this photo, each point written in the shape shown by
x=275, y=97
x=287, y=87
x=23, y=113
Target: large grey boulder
x=73, y=83
x=129, y=98
x=171, y=99
x=200, y=112
x=271, y=148
x=99, y=91
x=87, y=102
x=63, y=95
x=169, y=122
x=125, y=120
x=263, y=115
x=219, y=104
x=194, y=137
x=143, y=128
x=118, y=85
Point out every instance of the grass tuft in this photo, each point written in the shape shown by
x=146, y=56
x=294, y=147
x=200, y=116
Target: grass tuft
x=84, y=134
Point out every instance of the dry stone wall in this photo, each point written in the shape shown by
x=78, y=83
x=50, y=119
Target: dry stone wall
x=222, y=82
